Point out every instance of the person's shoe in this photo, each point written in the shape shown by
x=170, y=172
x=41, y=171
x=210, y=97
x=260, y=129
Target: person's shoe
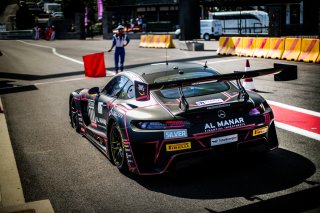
x=116, y=71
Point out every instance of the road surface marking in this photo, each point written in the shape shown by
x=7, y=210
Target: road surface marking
x=54, y=51
x=298, y=120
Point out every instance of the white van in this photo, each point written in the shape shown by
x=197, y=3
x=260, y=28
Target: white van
x=51, y=7
x=210, y=28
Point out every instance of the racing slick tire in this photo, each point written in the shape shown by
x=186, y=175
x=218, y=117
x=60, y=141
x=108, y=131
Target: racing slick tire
x=118, y=155
x=74, y=117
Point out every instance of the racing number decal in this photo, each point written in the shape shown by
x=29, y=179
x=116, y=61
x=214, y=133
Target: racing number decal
x=91, y=113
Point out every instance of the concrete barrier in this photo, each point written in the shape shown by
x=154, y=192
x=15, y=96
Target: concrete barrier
x=309, y=50
x=292, y=49
x=235, y=46
x=223, y=45
x=262, y=47
x=248, y=46
x=156, y=41
x=276, y=48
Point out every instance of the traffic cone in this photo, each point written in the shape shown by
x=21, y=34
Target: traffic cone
x=248, y=82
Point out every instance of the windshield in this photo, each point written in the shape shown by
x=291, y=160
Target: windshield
x=197, y=89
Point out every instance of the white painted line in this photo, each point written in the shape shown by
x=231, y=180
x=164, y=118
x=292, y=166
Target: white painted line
x=297, y=109
x=53, y=82
x=299, y=131
x=54, y=51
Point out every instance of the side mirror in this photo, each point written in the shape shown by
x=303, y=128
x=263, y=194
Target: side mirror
x=94, y=91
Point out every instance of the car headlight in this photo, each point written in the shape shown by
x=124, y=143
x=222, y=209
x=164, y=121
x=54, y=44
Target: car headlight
x=258, y=110
x=159, y=125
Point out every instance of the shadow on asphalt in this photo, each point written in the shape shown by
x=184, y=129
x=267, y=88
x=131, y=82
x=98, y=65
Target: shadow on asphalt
x=241, y=175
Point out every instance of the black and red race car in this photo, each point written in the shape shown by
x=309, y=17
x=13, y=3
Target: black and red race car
x=151, y=117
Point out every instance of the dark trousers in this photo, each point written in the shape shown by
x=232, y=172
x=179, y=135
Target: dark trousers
x=119, y=54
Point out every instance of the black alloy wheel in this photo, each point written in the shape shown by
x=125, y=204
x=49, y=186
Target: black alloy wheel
x=74, y=117
x=117, y=150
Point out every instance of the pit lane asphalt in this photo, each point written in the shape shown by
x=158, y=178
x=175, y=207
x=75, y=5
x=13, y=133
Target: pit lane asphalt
x=57, y=164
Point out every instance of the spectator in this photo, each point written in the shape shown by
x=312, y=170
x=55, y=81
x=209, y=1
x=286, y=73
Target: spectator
x=53, y=33
x=36, y=32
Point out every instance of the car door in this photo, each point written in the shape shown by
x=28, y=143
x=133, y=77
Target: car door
x=104, y=103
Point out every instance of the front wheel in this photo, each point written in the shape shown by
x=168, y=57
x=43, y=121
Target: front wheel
x=74, y=117
x=117, y=150
x=206, y=37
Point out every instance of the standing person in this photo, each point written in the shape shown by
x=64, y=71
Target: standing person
x=53, y=33
x=36, y=32
x=119, y=40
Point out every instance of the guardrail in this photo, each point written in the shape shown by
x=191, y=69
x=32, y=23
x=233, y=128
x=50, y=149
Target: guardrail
x=286, y=48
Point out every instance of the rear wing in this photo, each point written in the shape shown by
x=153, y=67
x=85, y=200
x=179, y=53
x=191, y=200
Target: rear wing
x=143, y=89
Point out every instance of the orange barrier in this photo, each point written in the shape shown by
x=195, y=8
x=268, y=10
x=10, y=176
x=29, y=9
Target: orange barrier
x=262, y=47
x=248, y=45
x=309, y=50
x=292, y=49
x=223, y=45
x=143, y=40
x=235, y=46
x=156, y=41
x=276, y=48
x=318, y=59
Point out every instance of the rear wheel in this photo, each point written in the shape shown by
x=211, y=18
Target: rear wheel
x=117, y=150
x=74, y=117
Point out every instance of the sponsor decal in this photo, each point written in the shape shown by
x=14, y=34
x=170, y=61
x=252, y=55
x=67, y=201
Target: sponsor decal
x=178, y=146
x=219, y=106
x=102, y=121
x=141, y=91
x=116, y=113
x=212, y=101
x=178, y=133
x=224, y=124
x=100, y=107
x=224, y=140
x=260, y=131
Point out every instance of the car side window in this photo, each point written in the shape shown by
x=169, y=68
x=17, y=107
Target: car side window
x=114, y=87
x=128, y=91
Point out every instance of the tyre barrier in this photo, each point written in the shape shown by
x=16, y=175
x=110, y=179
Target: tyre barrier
x=292, y=49
x=156, y=41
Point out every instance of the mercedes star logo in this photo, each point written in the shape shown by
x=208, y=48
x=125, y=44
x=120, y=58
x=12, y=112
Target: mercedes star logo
x=221, y=114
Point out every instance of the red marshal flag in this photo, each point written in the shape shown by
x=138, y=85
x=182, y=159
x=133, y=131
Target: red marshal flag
x=94, y=65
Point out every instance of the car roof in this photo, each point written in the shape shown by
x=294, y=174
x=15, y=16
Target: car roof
x=155, y=71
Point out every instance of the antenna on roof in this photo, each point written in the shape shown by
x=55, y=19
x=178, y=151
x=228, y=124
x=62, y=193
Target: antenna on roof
x=166, y=55
x=205, y=65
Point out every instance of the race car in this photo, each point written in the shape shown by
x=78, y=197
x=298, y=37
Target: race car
x=147, y=119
